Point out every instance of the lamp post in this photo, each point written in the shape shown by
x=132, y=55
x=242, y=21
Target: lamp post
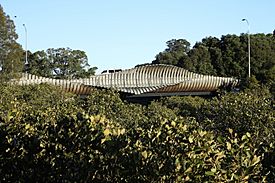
x=248, y=36
x=26, y=44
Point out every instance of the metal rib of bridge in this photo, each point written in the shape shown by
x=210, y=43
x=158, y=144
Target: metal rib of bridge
x=139, y=80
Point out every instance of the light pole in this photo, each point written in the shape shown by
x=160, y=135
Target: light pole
x=248, y=36
x=26, y=43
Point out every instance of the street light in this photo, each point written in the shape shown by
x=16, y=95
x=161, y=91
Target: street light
x=26, y=43
x=248, y=36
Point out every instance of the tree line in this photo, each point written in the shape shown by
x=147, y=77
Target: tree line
x=227, y=56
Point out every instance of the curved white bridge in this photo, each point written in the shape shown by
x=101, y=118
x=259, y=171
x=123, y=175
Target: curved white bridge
x=139, y=80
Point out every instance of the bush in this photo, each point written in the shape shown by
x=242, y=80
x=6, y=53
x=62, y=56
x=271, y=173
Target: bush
x=243, y=112
x=184, y=106
x=102, y=139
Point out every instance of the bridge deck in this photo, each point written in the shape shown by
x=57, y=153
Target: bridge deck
x=158, y=79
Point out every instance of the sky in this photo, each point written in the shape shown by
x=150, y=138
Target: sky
x=120, y=34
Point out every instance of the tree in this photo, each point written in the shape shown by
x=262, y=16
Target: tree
x=213, y=45
x=177, y=48
x=10, y=51
x=39, y=64
x=201, y=59
x=234, y=55
x=67, y=63
x=263, y=57
x=62, y=63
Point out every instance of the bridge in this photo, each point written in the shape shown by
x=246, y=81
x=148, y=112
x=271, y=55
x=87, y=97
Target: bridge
x=142, y=81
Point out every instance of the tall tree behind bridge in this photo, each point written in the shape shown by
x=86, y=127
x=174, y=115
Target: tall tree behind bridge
x=10, y=51
x=177, y=49
x=62, y=63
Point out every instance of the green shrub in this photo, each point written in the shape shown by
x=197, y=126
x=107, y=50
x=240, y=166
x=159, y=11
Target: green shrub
x=185, y=106
x=59, y=138
x=243, y=112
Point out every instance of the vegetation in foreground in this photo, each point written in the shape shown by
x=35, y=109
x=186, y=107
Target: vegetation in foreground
x=50, y=136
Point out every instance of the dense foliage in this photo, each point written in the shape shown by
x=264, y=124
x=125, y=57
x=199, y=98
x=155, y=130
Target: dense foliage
x=51, y=136
x=62, y=63
x=248, y=111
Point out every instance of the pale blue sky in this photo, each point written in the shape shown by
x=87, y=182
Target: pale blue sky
x=123, y=33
